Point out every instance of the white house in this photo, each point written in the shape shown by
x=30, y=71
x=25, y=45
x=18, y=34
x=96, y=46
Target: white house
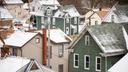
x=59, y=42
x=20, y=64
x=117, y=14
x=25, y=44
x=95, y=16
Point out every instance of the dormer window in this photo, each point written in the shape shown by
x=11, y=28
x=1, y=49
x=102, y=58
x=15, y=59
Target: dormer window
x=87, y=40
x=49, y=12
x=112, y=18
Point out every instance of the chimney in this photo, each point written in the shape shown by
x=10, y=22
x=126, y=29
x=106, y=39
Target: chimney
x=44, y=46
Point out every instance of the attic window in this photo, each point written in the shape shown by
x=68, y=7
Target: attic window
x=112, y=18
x=37, y=40
x=87, y=40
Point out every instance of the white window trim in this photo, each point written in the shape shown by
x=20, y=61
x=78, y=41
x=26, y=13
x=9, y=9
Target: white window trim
x=85, y=62
x=96, y=63
x=86, y=38
x=37, y=40
x=67, y=30
x=74, y=60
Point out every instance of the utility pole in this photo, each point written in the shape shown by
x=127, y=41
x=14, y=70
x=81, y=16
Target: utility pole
x=49, y=14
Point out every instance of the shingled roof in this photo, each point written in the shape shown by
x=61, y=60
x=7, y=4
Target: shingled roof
x=109, y=37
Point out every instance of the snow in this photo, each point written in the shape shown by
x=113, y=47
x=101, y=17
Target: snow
x=14, y=1
x=4, y=13
x=49, y=2
x=1, y=44
x=71, y=11
x=19, y=38
x=125, y=36
x=12, y=64
x=120, y=66
x=57, y=36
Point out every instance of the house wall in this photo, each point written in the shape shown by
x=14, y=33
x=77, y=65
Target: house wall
x=92, y=50
x=94, y=18
x=55, y=61
x=33, y=49
x=15, y=9
x=59, y=22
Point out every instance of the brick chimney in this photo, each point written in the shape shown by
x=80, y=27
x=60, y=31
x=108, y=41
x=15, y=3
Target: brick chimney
x=44, y=46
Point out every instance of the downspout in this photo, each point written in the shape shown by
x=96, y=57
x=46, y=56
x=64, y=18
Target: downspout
x=44, y=46
x=105, y=63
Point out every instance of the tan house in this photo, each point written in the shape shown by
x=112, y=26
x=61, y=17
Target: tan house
x=16, y=9
x=59, y=43
x=25, y=44
x=95, y=17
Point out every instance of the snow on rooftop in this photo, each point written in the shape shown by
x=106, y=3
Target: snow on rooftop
x=14, y=1
x=49, y=2
x=4, y=13
x=58, y=36
x=19, y=38
x=71, y=10
x=12, y=64
x=121, y=65
x=1, y=44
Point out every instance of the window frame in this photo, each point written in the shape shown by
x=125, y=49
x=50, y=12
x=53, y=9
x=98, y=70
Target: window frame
x=98, y=63
x=37, y=40
x=59, y=68
x=87, y=40
x=85, y=67
x=75, y=60
x=67, y=29
x=61, y=51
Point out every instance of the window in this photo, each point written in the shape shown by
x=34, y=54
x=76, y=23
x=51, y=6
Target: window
x=87, y=40
x=50, y=51
x=15, y=51
x=61, y=50
x=87, y=62
x=98, y=63
x=60, y=68
x=67, y=20
x=49, y=11
x=75, y=20
x=67, y=30
x=33, y=8
x=76, y=60
x=37, y=40
x=112, y=18
x=96, y=22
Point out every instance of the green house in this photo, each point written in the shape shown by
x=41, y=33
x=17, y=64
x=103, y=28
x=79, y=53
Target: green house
x=97, y=48
x=67, y=19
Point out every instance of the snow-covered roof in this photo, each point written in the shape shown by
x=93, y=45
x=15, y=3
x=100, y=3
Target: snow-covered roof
x=4, y=13
x=13, y=64
x=19, y=38
x=121, y=65
x=1, y=44
x=13, y=1
x=58, y=36
x=109, y=37
x=49, y=2
x=70, y=9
